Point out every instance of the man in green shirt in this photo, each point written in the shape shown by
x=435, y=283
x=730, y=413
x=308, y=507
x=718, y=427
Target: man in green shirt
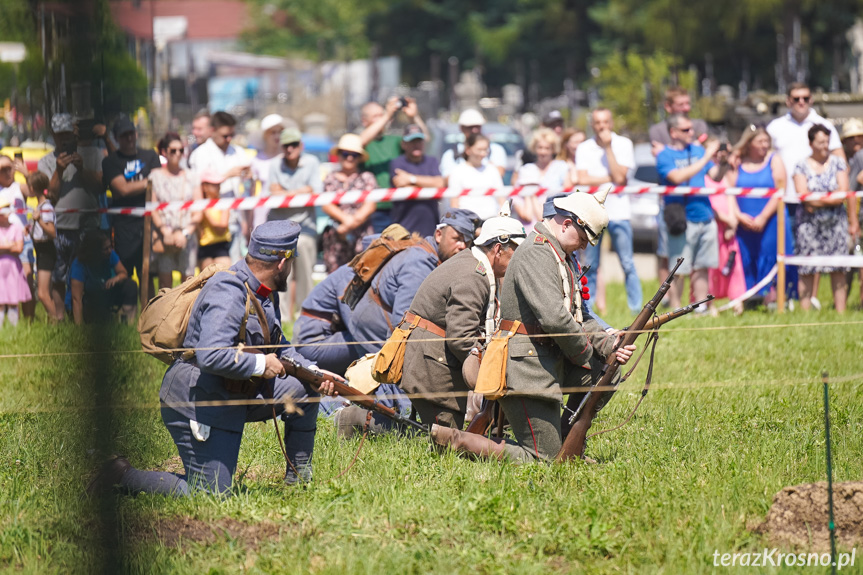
x=381, y=147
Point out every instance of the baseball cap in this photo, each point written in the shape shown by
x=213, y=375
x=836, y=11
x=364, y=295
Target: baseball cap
x=290, y=136
x=552, y=117
x=212, y=178
x=271, y=121
x=471, y=117
x=62, y=123
x=413, y=132
x=123, y=126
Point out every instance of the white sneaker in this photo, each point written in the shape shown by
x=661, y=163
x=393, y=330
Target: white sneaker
x=815, y=303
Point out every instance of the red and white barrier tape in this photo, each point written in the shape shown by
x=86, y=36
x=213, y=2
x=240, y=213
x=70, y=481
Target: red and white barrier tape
x=408, y=194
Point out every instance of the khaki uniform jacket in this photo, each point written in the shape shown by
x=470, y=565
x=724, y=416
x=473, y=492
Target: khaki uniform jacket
x=533, y=293
x=454, y=297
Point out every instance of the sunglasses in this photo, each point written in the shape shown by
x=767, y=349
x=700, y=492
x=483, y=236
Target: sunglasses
x=291, y=145
x=349, y=155
x=175, y=151
x=684, y=130
x=800, y=98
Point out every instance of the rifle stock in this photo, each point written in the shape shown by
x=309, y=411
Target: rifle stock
x=573, y=445
x=343, y=388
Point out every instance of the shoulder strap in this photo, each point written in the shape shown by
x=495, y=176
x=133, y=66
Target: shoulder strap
x=259, y=311
x=492, y=313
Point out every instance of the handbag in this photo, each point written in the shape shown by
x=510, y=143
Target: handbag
x=675, y=219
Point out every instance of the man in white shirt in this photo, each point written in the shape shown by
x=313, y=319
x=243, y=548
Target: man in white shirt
x=219, y=156
x=789, y=133
x=470, y=122
x=609, y=158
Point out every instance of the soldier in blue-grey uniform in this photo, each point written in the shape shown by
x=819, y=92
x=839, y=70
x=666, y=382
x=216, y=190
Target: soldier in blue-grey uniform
x=322, y=332
x=208, y=437
x=391, y=292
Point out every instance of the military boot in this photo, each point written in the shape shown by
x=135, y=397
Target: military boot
x=352, y=420
x=471, y=445
x=108, y=476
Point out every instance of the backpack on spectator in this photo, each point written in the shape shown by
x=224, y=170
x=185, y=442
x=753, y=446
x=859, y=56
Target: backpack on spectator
x=163, y=322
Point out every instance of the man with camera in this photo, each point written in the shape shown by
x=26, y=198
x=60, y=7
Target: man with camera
x=383, y=148
x=692, y=230
x=75, y=176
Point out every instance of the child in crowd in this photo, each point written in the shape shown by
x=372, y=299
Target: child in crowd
x=99, y=283
x=43, y=234
x=13, y=283
x=214, y=237
x=727, y=281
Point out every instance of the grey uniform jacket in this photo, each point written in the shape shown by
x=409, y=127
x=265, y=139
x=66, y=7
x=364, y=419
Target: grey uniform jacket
x=215, y=322
x=533, y=293
x=453, y=297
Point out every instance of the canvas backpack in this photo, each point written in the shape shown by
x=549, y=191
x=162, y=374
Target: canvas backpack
x=164, y=320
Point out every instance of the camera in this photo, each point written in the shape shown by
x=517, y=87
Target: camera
x=402, y=102
x=723, y=147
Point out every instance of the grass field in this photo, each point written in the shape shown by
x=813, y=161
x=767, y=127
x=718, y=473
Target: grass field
x=736, y=414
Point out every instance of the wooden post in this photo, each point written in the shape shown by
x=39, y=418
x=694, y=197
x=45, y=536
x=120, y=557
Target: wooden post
x=780, y=256
x=148, y=241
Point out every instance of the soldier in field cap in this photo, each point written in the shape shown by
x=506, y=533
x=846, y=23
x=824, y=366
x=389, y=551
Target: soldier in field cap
x=456, y=308
x=208, y=437
x=541, y=292
x=390, y=294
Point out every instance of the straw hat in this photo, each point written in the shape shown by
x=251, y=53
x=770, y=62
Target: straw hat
x=350, y=143
x=851, y=128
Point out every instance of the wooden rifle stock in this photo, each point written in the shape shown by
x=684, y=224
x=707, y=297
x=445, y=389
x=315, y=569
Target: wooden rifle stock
x=343, y=388
x=482, y=421
x=573, y=445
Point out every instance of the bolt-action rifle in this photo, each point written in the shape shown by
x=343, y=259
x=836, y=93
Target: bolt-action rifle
x=647, y=320
x=342, y=386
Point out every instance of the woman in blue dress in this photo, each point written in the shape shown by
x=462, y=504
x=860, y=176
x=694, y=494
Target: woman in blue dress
x=757, y=229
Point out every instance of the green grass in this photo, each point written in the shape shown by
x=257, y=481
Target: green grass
x=735, y=416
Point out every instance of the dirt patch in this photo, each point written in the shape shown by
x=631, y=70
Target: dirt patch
x=799, y=516
x=173, y=531
x=253, y=473
x=172, y=465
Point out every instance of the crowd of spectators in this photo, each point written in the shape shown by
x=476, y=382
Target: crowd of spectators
x=79, y=263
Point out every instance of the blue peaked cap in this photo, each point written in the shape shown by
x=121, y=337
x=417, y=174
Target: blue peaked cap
x=272, y=241
x=463, y=221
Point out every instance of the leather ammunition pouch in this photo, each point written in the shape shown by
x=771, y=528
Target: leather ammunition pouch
x=491, y=381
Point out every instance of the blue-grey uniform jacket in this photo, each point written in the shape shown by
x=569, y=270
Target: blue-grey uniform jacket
x=325, y=298
x=396, y=285
x=215, y=322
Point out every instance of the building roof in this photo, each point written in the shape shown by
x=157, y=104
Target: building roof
x=208, y=19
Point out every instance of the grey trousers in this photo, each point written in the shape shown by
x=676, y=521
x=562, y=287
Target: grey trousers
x=210, y=465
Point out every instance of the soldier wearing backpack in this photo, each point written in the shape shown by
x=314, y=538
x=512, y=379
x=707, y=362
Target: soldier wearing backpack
x=227, y=312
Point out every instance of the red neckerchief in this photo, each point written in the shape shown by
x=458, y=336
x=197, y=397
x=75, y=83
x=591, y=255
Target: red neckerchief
x=263, y=291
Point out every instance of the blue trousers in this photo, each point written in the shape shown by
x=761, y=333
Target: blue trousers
x=210, y=465
x=621, y=242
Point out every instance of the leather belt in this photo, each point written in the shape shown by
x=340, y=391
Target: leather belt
x=425, y=324
x=327, y=317
x=529, y=330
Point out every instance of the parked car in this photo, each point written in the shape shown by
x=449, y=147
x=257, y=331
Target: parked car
x=645, y=207
x=447, y=136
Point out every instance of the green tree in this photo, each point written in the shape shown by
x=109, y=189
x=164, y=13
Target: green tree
x=623, y=83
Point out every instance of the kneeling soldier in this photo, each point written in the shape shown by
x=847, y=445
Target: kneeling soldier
x=207, y=436
x=541, y=292
x=454, y=309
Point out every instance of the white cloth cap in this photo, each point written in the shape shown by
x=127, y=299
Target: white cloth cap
x=501, y=227
x=271, y=121
x=471, y=117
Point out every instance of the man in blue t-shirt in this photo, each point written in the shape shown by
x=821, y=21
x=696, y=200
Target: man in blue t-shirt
x=415, y=168
x=684, y=163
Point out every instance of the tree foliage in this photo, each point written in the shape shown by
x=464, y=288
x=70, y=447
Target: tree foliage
x=632, y=86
